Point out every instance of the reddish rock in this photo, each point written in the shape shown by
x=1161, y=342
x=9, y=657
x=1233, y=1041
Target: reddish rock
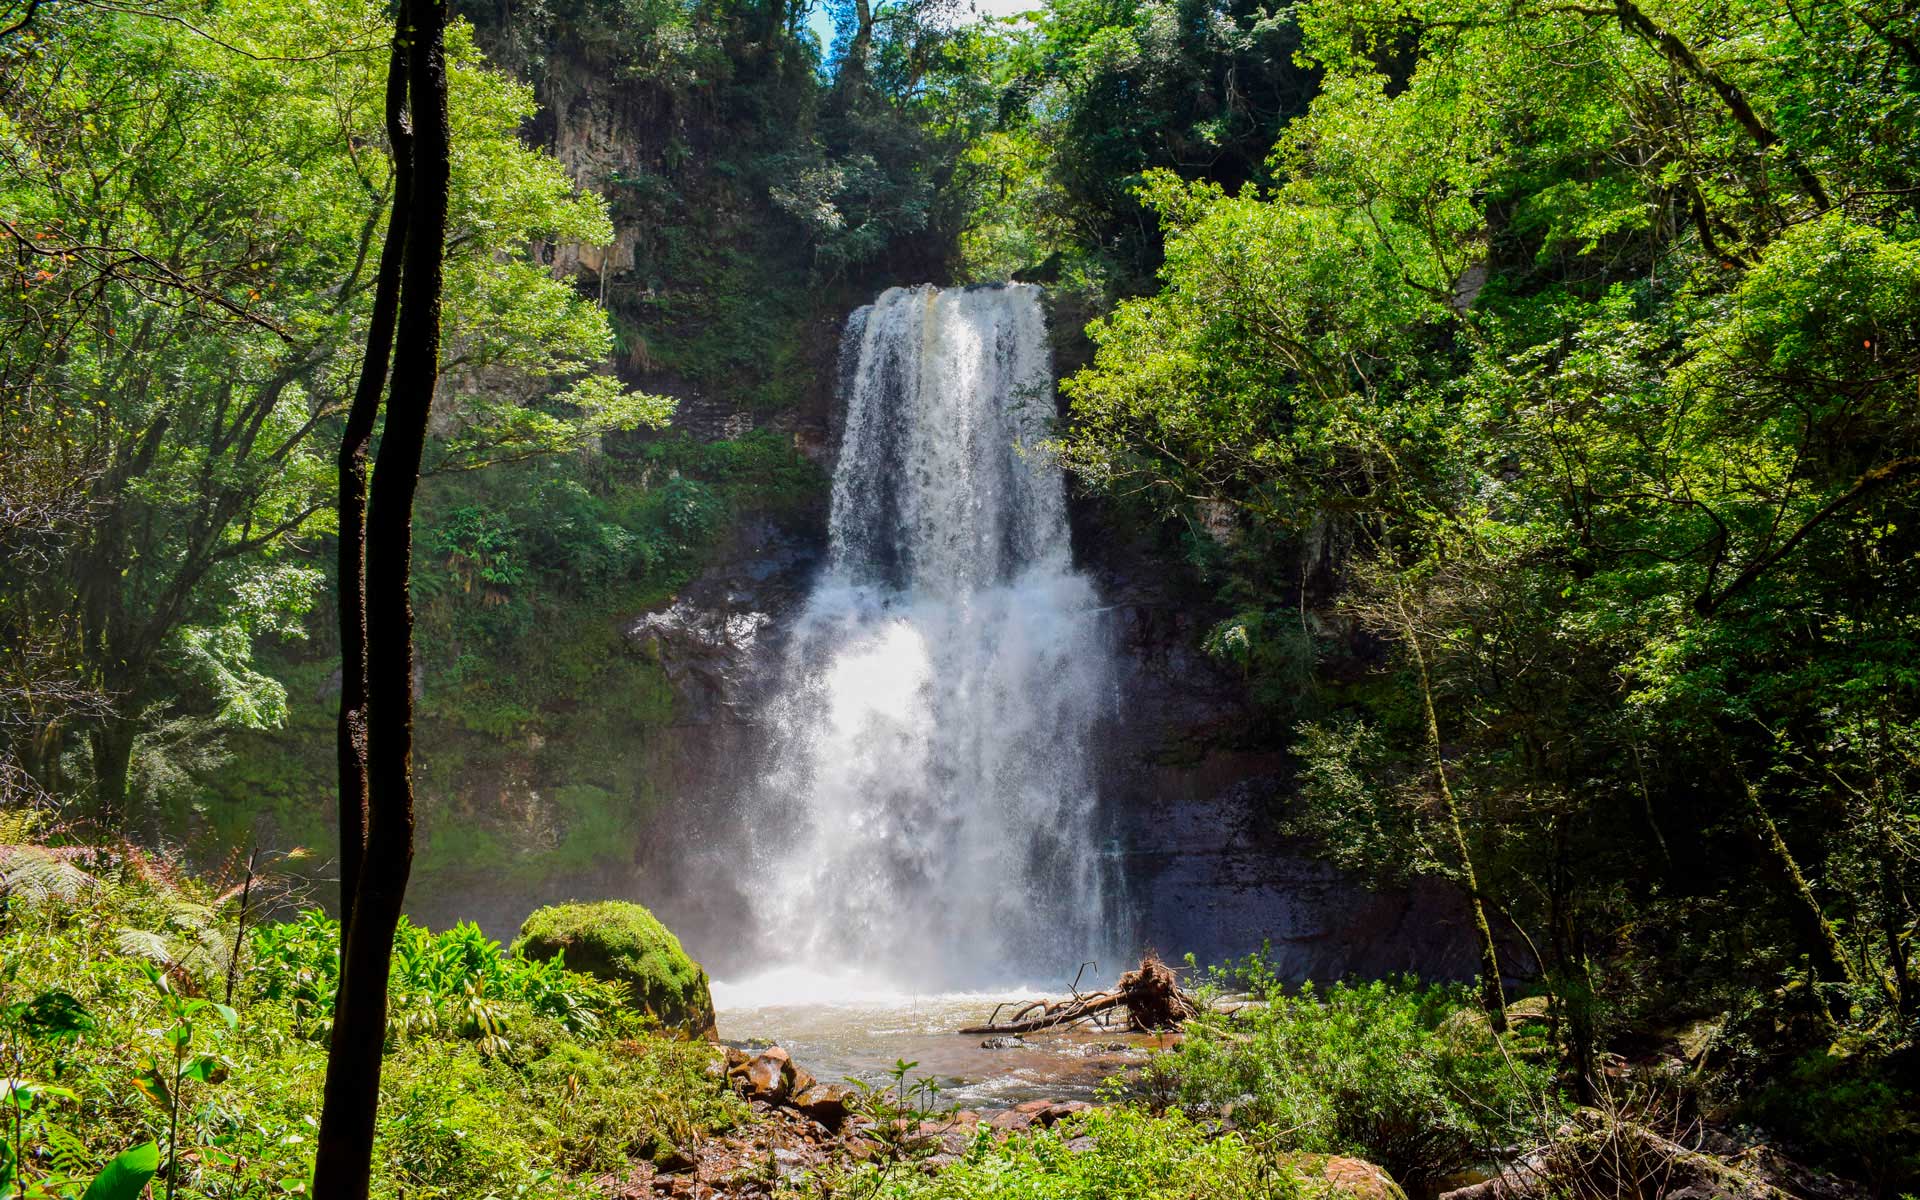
x=1350, y=1178
x=1063, y=1110
x=769, y=1077
x=801, y=1080
x=824, y=1102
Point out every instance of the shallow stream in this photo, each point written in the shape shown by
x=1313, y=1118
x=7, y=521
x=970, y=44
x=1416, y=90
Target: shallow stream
x=846, y=1029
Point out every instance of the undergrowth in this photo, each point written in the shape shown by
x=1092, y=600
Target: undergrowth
x=1111, y=1154
x=504, y=1077
x=1403, y=1074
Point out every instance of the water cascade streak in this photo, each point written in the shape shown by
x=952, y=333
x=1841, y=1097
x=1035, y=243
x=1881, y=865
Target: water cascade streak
x=928, y=817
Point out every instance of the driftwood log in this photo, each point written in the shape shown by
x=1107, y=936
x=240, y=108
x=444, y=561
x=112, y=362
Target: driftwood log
x=1150, y=994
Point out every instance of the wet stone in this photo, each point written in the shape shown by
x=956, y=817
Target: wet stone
x=825, y=1103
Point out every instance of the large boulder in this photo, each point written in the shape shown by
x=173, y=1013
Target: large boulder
x=1344, y=1178
x=615, y=940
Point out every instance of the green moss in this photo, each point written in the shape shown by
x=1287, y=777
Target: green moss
x=616, y=940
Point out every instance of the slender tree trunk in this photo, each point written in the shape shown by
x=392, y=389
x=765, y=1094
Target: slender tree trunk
x=1492, y=997
x=1895, y=910
x=344, y=1161
x=353, y=498
x=1817, y=934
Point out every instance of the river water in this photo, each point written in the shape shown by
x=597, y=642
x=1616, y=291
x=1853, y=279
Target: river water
x=840, y=1027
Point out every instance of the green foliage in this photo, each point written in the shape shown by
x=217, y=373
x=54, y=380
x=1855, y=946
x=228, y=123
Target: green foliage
x=188, y=328
x=456, y=984
x=1560, y=373
x=1845, y=1109
x=1397, y=1073
x=1093, y=96
x=1118, y=1154
x=503, y=1077
x=624, y=943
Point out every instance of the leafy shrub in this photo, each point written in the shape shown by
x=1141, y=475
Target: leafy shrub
x=479, y=547
x=1847, y=1113
x=1127, y=1155
x=623, y=942
x=506, y=1077
x=1398, y=1073
x=458, y=983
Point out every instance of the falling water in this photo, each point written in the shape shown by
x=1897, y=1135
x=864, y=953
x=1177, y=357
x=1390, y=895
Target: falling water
x=928, y=818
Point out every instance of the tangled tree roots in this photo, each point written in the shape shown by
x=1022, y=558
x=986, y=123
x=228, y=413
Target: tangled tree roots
x=1150, y=994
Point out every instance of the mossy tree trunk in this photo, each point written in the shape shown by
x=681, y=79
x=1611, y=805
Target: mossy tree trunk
x=1492, y=997
x=1818, y=937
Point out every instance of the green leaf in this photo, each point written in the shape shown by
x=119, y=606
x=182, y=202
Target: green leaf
x=153, y=1085
x=24, y=1094
x=55, y=1015
x=127, y=1175
x=204, y=1068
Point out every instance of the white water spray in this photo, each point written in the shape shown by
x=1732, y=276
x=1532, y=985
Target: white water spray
x=928, y=817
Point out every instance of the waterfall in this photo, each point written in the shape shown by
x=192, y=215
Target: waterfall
x=928, y=812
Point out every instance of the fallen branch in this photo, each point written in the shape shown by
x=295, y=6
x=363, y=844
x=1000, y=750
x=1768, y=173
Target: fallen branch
x=1150, y=993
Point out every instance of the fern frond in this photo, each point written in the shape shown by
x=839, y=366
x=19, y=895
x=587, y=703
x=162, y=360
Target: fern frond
x=140, y=943
x=66, y=1152
x=36, y=875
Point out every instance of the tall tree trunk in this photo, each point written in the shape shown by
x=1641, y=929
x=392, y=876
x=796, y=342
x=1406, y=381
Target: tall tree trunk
x=1818, y=937
x=352, y=733
x=111, y=744
x=344, y=1160
x=1491, y=995
x=853, y=71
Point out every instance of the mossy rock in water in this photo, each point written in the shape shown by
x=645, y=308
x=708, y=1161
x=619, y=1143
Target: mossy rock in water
x=620, y=941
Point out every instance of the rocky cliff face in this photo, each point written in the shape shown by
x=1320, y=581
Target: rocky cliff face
x=1194, y=807
x=1190, y=821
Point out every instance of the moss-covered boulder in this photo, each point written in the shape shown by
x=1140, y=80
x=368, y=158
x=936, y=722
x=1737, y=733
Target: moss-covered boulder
x=620, y=941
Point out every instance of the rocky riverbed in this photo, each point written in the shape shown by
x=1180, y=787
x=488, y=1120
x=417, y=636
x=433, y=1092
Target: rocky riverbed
x=806, y=1128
